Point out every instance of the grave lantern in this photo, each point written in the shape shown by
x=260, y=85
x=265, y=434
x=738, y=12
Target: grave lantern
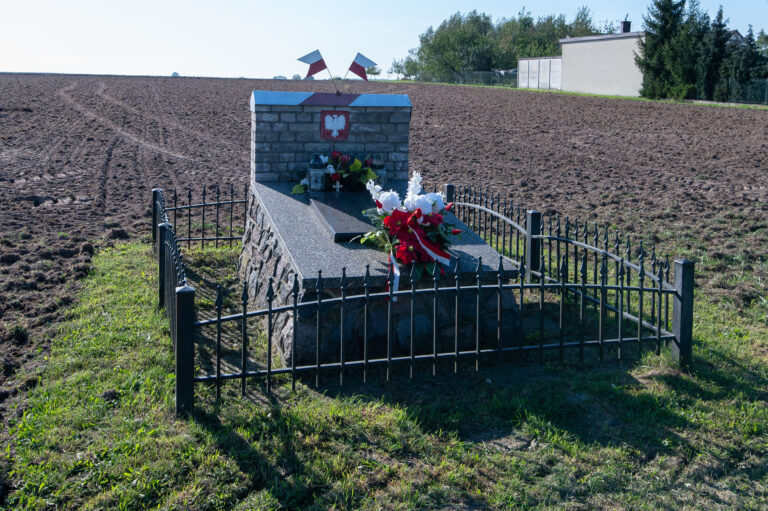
x=316, y=174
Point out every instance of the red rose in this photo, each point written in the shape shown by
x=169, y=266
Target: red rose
x=456, y=231
x=345, y=159
x=335, y=176
x=397, y=222
x=378, y=204
x=449, y=206
x=335, y=154
x=368, y=162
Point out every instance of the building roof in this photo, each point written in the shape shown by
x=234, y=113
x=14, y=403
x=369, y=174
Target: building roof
x=602, y=37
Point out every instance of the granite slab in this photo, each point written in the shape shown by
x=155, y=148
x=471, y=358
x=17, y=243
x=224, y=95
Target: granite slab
x=312, y=248
x=342, y=213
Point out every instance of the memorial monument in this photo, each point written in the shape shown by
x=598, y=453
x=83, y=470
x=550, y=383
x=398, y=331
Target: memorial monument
x=308, y=234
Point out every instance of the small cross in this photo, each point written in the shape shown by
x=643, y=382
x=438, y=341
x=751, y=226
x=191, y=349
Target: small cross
x=337, y=187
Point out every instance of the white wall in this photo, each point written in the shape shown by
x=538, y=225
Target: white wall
x=540, y=73
x=602, y=65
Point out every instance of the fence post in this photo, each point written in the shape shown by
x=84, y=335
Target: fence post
x=163, y=230
x=184, y=347
x=532, y=245
x=682, y=312
x=156, y=192
x=450, y=193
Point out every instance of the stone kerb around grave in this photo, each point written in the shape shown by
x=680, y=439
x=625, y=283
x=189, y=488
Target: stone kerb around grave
x=287, y=128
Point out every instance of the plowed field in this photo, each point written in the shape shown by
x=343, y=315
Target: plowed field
x=80, y=154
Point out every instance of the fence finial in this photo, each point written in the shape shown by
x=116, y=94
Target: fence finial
x=367, y=279
x=343, y=278
x=219, y=298
x=563, y=268
x=295, y=288
x=319, y=281
x=244, y=295
x=583, y=270
x=270, y=290
x=479, y=269
x=604, y=269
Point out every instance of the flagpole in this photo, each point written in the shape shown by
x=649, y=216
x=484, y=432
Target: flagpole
x=332, y=78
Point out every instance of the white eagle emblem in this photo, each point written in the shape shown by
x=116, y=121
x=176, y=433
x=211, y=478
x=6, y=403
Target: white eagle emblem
x=334, y=124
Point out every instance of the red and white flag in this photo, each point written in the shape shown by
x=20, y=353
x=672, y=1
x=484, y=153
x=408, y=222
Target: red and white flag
x=315, y=61
x=360, y=64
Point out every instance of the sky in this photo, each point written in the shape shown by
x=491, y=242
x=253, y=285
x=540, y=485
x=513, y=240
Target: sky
x=258, y=38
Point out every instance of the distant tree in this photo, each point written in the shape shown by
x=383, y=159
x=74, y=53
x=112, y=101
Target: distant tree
x=762, y=43
x=466, y=43
x=397, y=68
x=685, y=52
x=461, y=44
x=296, y=77
x=743, y=63
x=373, y=71
x=713, y=51
x=174, y=74
x=657, y=54
x=582, y=24
x=762, y=49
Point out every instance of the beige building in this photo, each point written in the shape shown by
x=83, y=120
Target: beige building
x=602, y=64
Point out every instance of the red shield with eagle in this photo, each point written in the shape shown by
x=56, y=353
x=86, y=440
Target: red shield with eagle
x=334, y=124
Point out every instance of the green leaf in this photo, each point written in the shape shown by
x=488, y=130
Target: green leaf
x=368, y=175
x=356, y=165
x=298, y=189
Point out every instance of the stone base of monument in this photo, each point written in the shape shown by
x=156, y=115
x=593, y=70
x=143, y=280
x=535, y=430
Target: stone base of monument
x=289, y=235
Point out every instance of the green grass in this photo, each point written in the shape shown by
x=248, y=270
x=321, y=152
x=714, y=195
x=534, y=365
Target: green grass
x=99, y=432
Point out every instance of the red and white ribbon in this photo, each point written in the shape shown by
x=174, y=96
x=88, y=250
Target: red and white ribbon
x=445, y=259
x=430, y=248
x=396, y=271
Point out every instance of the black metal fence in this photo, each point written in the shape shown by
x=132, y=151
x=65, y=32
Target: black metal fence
x=570, y=292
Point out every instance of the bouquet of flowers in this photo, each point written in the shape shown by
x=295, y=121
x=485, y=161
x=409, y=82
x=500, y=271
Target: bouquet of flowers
x=413, y=230
x=353, y=173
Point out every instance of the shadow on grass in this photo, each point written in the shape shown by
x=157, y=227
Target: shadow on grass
x=512, y=404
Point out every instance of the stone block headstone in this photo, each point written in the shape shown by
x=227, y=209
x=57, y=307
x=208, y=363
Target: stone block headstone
x=287, y=128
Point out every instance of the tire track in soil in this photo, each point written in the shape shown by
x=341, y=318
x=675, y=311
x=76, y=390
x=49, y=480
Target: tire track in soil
x=165, y=123
x=101, y=203
x=64, y=93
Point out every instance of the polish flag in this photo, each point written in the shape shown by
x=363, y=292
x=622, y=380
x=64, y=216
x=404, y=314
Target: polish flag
x=360, y=64
x=315, y=61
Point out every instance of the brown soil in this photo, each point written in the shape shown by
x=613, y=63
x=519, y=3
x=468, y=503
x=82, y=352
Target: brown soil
x=80, y=154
